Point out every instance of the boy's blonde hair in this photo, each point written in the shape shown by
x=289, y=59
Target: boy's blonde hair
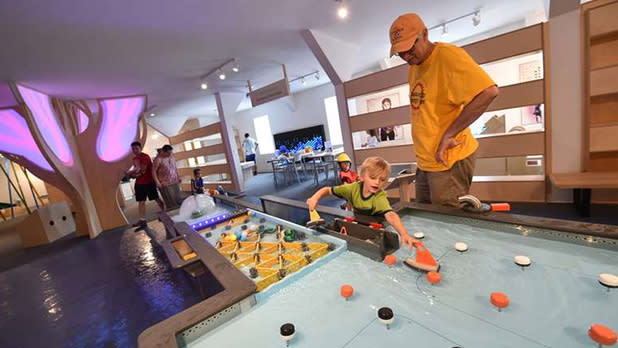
x=375, y=165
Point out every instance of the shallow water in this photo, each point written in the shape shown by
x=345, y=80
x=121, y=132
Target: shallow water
x=552, y=303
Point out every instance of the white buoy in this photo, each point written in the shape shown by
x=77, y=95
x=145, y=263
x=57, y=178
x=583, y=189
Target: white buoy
x=419, y=235
x=608, y=280
x=522, y=261
x=287, y=332
x=461, y=247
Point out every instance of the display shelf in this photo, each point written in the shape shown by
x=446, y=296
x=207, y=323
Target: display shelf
x=202, y=151
x=604, y=81
x=604, y=138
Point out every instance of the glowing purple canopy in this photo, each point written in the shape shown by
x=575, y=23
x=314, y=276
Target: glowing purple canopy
x=119, y=122
x=82, y=121
x=43, y=113
x=17, y=140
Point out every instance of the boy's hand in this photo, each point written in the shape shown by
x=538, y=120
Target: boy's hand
x=312, y=203
x=406, y=239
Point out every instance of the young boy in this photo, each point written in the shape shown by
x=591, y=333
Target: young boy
x=197, y=183
x=367, y=195
x=145, y=186
x=346, y=174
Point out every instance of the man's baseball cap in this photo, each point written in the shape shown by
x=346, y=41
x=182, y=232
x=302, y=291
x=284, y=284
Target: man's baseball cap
x=404, y=32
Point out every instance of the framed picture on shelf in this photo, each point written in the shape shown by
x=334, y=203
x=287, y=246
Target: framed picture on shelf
x=530, y=71
x=384, y=102
x=532, y=114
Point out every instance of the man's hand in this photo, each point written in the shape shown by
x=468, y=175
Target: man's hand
x=312, y=203
x=406, y=239
x=447, y=143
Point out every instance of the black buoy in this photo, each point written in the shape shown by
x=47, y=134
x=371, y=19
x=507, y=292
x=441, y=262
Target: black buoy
x=243, y=227
x=308, y=258
x=304, y=247
x=262, y=220
x=287, y=332
x=386, y=316
x=282, y=273
x=253, y=272
x=331, y=246
x=228, y=227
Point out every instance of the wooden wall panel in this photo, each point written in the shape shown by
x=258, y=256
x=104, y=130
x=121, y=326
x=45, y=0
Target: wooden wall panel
x=196, y=133
x=203, y=151
x=603, y=162
x=519, y=191
x=605, y=196
x=511, y=145
x=393, y=117
x=604, y=53
x=603, y=20
x=521, y=94
x=392, y=154
x=511, y=44
x=604, y=81
x=604, y=110
x=378, y=81
x=206, y=170
x=603, y=139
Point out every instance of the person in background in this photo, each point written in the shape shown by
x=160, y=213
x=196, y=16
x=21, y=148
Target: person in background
x=166, y=177
x=372, y=140
x=367, y=196
x=250, y=145
x=386, y=133
x=448, y=92
x=197, y=183
x=145, y=186
x=346, y=174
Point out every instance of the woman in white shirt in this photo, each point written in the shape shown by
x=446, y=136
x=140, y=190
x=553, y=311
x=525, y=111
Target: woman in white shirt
x=372, y=140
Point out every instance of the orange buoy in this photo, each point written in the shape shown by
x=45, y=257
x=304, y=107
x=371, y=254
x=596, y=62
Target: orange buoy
x=347, y=291
x=602, y=335
x=390, y=260
x=499, y=300
x=434, y=277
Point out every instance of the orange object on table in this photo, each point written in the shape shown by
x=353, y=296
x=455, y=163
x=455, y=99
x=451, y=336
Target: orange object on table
x=349, y=219
x=434, y=277
x=499, y=300
x=390, y=260
x=376, y=225
x=347, y=291
x=423, y=255
x=500, y=207
x=602, y=335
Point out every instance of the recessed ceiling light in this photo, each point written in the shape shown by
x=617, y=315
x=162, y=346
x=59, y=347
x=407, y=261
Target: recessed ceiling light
x=204, y=86
x=236, y=66
x=152, y=114
x=221, y=75
x=342, y=11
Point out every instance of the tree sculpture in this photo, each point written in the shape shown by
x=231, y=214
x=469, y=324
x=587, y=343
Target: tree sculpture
x=83, y=154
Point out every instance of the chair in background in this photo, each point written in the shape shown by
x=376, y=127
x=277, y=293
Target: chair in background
x=287, y=167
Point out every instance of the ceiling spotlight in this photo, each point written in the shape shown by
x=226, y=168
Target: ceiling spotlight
x=204, y=86
x=317, y=75
x=476, y=19
x=221, y=75
x=444, y=30
x=236, y=67
x=152, y=114
x=342, y=10
x=302, y=81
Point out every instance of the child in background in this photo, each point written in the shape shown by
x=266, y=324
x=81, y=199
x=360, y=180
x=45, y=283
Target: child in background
x=346, y=174
x=197, y=183
x=372, y=140
x=367, y=195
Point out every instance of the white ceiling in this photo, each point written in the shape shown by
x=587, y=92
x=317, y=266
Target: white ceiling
x=88, y=49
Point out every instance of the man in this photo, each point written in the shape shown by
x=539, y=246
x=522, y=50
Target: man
x=166, y=177
x=250, y=146
x=144, y=183
x=448, y=92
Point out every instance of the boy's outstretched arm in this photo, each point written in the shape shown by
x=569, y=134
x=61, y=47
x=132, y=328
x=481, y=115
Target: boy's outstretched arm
x=313, y=201
x=395, y=221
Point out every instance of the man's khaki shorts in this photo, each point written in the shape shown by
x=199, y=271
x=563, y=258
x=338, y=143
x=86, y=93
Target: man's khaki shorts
x=445, y=187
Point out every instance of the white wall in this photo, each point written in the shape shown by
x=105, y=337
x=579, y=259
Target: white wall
x=4, y=188
x=309, y=111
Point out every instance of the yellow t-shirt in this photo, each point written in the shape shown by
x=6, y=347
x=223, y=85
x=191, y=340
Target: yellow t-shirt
x=439, y=89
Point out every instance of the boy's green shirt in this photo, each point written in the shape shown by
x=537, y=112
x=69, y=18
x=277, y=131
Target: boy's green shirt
x=375, y=204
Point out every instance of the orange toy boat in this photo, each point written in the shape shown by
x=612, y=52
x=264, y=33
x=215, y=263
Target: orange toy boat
x=424, y=260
